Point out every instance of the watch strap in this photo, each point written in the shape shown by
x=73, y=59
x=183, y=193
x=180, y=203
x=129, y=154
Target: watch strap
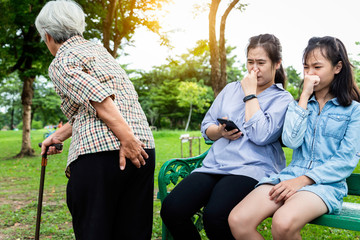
x=248, y=97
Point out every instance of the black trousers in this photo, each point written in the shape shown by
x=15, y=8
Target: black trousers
x=218, y=194
x=108, y=203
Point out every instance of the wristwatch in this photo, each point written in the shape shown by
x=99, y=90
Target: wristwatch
x=248, y=97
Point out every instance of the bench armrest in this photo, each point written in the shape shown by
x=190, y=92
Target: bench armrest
x=174, y=170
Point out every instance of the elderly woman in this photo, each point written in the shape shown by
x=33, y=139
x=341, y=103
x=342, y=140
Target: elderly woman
x=112, y=153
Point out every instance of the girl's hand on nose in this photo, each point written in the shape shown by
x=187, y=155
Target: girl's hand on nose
x=310, y=81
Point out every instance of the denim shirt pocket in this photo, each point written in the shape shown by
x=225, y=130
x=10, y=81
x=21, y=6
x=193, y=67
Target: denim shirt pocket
x=335, y=125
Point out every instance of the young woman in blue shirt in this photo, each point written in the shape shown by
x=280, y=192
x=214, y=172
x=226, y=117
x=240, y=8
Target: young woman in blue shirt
x=322, y=129
x=236, y=161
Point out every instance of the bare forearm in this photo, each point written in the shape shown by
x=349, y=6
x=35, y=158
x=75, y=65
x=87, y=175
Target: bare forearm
x=59, y=136
x=251, y=107
x=213, y=132
x=63, y=133
x=303, y=101
x=131, y=147
x=108, y=112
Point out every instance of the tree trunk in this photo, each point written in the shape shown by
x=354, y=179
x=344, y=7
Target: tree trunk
x=222, y=48
x=12, y=112
x=214, y=49
x=107, y=26
x=189, y=118
x=26, y=99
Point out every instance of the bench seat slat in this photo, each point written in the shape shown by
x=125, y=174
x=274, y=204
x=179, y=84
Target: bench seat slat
x=349, y=218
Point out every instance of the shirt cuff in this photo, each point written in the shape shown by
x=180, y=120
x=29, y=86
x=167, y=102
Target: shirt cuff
x=313, y=177
x=299, y=110
x=99, y=99
x=204, y=128
x=255, y=118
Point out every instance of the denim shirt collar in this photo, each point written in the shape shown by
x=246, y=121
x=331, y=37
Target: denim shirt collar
x=333, y=100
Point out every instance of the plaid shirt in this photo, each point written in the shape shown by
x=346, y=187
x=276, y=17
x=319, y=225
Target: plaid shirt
x=82, y=71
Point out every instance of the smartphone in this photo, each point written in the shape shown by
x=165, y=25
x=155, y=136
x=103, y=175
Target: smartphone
x=230, y=125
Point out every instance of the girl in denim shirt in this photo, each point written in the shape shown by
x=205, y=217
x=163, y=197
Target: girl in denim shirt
x=322, y=129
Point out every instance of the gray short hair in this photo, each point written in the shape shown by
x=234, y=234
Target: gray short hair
x=61, y=19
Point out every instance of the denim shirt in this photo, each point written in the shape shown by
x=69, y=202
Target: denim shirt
x=326, y=148
x=326, y=144
x=258, y=153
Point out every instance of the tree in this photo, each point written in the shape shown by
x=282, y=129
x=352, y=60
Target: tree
x=10, y=99
x=114, y=21
x=24, y=53
x=191, y=95
x=356, y=65
x=218, y=51
x=293, y=81
x=158, y=88
x=46, y=103
x=164, y=100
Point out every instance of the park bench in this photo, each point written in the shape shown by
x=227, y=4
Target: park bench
x=174, y=170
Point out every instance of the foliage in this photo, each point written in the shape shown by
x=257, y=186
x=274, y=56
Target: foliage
x=45, y=107
x=293, y=81
x=115, y=22
x=46, y=103
x=34, y=125
x=192, y=96
x=356, y=65
x=158, y=89
x=21, y=46
x=23, y=52
x=10, y=101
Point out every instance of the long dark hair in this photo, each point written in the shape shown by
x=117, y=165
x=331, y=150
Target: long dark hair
x=272, y=46
x=343, y=87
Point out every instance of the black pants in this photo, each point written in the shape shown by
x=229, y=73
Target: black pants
x=219, y=194
x=107, y=203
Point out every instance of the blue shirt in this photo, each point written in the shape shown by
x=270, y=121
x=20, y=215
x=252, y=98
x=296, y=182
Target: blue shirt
x=326, y=148
x=258, y=153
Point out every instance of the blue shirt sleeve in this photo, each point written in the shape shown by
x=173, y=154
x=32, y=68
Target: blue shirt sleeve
x=265, y=127
x=294, y=125
x=213, y=112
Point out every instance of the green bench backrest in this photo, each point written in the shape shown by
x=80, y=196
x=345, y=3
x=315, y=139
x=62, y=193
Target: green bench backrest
x=353, y=183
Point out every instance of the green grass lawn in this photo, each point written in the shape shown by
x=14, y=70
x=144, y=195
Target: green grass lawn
x=19, y=183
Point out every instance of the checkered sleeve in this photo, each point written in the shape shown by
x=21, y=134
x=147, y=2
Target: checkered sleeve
x=73, y=80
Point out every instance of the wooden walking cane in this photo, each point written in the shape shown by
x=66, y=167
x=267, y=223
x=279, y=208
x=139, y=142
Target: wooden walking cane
x=41, y=188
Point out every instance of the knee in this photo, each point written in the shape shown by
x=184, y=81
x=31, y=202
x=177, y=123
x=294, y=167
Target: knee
x=214, y=218
x=282, y=227
x=171, y=211
x=239, y=224
x=168, y=212
x=216, y=224
x=235, y=220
